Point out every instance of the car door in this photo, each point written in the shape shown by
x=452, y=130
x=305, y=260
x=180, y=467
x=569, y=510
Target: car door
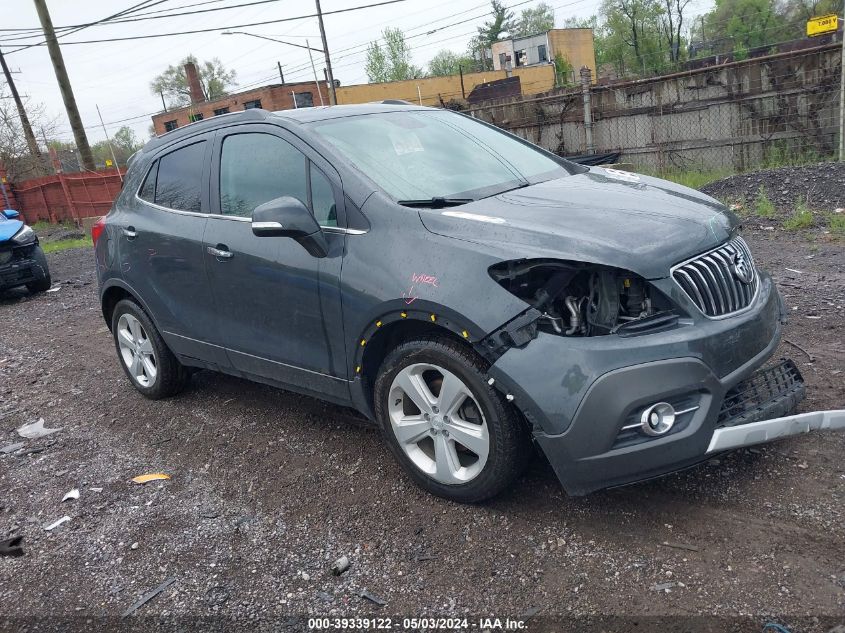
x=161, y=248
x=278, y=307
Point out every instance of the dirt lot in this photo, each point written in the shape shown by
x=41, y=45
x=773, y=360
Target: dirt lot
x=268, y=488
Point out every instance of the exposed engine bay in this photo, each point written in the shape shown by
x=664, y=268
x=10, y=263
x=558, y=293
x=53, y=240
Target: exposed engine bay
x=577, y=299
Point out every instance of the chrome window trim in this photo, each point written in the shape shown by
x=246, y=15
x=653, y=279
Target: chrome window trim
x=339, y=230
x=755, y=281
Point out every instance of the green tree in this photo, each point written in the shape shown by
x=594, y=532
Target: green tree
x=736, y=26
x=501, y=23
x=533, y=21
x=632, y=36
x=216, y=81
x=563, y=70
x=393, y=60
x=447, y=62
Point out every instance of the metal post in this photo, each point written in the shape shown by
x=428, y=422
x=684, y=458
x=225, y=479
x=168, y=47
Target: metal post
x=842, y=102
x=313, y=70
x=419, y=94
x=461, y=71
x=293, y=96
x=281, y=74
x=111, y=147
x=332, y=95
x=586, y=80
x=163, y=104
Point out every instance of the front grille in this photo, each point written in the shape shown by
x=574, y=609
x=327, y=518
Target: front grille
x=771, y=392
x=712, y=281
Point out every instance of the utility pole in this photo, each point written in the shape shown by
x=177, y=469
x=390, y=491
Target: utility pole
x=27, y=128
x=281, y=74
x=111, y=147
x=64, y=86
x=332, y=95
x=313, y=70
x=842, y=102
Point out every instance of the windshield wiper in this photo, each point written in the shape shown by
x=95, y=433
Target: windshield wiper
x=436, y=202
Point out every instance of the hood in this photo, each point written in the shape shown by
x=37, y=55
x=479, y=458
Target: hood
x=8, y=228
x=604, y=216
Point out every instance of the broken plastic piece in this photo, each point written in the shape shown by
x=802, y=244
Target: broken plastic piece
x=148, y=596
x=340, y=566
x=71, y=494
x=53, y=526
x=142, y=479
x=373, y=598
x=11, y=448
x=35, y=430
x=11, y=546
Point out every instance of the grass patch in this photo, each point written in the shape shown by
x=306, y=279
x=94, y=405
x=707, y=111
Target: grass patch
x=762, y=205
x=63, y=245
x=693, y=178
x=836, y=223
x=801, y=219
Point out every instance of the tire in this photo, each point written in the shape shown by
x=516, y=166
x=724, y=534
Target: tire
x=157, y=374
x=439, y=461
x=45, y=283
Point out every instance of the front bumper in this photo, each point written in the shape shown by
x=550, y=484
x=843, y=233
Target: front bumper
x=579, y=392
x=20, y=265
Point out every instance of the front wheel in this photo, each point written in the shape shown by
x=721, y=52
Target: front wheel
x=150, y=365
x=447, y=427
x=43, y=284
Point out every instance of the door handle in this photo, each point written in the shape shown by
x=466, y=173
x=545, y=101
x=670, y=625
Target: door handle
x=220, y=252
x=129, y=232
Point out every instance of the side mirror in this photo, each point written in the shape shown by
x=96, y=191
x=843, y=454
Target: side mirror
x=288, y=217
x=11, y=214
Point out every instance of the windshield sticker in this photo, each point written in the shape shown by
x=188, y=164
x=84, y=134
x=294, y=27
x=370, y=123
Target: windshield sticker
x=474, y=216
x=407, y=143
x=618, y=174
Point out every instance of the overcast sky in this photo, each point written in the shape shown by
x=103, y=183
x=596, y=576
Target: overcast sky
x=116, y=75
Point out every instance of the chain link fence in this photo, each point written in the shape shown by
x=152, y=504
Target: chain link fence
x=771, y=110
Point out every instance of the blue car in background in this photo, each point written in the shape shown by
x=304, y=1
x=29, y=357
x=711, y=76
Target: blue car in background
x=22, y=261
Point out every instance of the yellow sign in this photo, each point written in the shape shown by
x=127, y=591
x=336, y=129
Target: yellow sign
x=822, y=25
x=108, y=162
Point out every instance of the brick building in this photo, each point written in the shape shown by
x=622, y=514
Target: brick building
x=274, y=97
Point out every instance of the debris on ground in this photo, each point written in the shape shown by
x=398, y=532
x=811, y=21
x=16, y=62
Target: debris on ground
x=691, y=548
x=143, y=479
x=12, y=546
x=148, y=596
x=340, y=566
x=666, y=586
x=71, y=494
x=53, y=526
x=11, y=448
x=373, y=598
x=35, y=430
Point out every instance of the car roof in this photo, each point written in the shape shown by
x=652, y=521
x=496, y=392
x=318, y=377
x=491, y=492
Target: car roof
x=299, y=115
x=322, y=113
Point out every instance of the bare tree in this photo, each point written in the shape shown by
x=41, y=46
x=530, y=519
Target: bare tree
x=671, y=22
x=14, y=151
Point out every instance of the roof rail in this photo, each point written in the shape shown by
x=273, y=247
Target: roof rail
x=253, y=114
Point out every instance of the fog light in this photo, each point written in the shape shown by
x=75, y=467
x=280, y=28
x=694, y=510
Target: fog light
x=658, y=418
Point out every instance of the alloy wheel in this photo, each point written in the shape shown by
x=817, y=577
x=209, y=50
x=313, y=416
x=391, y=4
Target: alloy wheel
x=136, y=350
x=438, y=423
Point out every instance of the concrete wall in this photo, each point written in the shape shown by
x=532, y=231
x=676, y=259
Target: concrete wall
x=534, y=79
x=275, y=97
x=733, y=116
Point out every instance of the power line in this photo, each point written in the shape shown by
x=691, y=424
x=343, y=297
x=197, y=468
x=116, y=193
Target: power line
x=209, y=30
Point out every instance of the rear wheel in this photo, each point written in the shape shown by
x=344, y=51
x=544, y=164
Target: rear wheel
x=450, y=430
x=150, y=365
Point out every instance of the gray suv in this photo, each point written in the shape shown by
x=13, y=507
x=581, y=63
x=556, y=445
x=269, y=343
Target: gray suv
x=471, y=293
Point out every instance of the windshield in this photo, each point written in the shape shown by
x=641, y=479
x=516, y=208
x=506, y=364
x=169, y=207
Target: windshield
x=418, y=155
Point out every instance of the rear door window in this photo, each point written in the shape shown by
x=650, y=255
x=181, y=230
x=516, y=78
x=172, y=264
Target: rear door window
x=179, y=180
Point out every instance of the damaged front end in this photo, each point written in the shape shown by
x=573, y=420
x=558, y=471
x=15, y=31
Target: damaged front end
x=573, y=299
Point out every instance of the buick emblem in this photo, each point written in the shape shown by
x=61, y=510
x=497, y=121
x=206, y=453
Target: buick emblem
x=742, y=269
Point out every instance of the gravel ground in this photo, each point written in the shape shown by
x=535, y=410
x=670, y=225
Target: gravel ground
x=268, y=488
